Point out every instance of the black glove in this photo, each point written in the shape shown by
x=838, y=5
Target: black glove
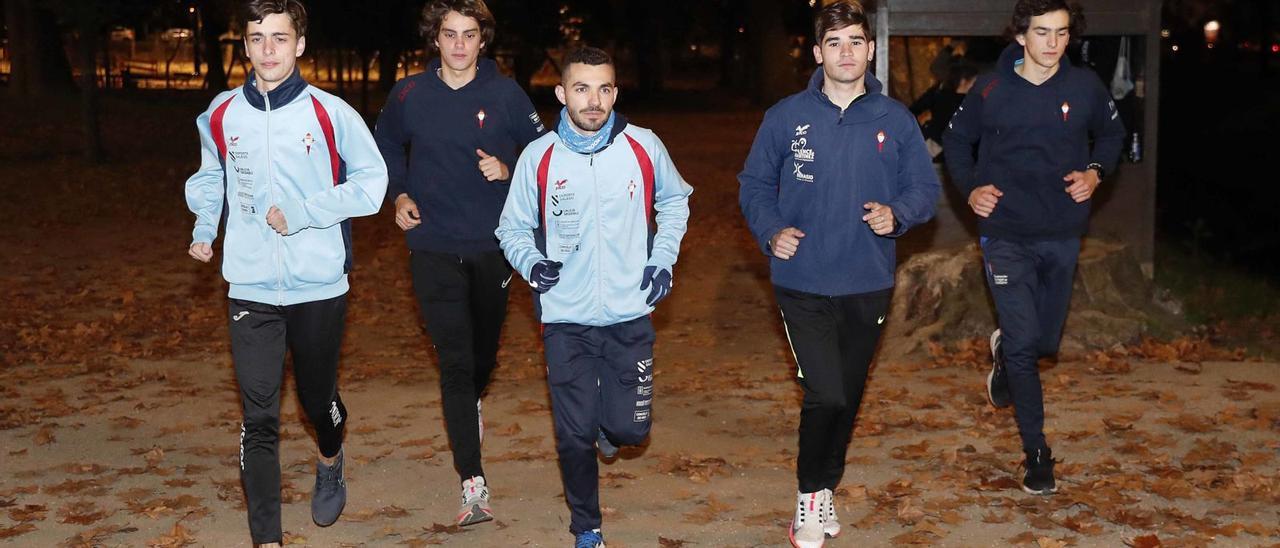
x=545, y=275
x=661, y=282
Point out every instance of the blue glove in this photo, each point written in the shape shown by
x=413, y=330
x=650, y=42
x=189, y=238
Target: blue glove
x=544, y=275
x=661, y=282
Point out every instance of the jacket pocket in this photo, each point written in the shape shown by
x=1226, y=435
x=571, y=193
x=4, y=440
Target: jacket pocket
x=247, y=254
x=314, y=256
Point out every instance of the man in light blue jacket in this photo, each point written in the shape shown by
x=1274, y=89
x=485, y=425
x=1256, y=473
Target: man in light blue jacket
x=285, y=166
x=593, y=221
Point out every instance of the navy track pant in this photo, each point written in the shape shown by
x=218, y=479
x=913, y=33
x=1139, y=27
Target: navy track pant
x=601, y=379
x=1030, y=283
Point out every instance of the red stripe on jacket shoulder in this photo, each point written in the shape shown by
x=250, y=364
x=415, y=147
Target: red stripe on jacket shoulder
x=326, y=125
x=646, y=172
x=216, y=131
x=544, y=167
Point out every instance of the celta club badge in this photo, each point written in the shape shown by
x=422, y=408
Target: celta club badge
x=308, y=140
x=1066, y=108
x=631, y=189
x=880, y=141
x=480, y=118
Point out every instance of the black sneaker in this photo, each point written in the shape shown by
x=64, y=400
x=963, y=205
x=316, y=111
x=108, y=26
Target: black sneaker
x=607, y=449
x=1039, y=477
x=998, y=378
x=330, y=495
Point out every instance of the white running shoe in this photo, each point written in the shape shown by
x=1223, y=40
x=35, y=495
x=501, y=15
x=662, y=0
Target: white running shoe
x=830, y=523
x=475, y=502
x=806, y=526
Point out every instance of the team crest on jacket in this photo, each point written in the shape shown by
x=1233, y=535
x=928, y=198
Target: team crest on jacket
x=1066, y=108
x=308, y=141
x=233, y=141
x=561, y=184
x=880, y=141
x=631, y=190
x=480, y=118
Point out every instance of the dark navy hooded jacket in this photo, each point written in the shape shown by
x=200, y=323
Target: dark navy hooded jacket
x=1028, y=137
x=813, y=166
x=441, y=128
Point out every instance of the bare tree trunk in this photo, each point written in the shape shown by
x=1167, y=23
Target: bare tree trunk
x=87, y=46
x=365, y=61
x=216, y=22
x=38, y=62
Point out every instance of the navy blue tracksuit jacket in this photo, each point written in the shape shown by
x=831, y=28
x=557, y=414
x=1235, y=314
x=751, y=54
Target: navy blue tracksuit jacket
x=813, y=166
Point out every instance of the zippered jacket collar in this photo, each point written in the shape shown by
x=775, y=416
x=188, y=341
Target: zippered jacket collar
x=284, y=93
x=866, y=107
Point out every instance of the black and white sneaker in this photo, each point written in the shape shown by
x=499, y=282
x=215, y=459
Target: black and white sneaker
x=1039, y=477
x=998, y=378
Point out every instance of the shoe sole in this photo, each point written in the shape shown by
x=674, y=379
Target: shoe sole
x=473, y=516
x=991, y=375
x=1042, y=492
x=791, y=534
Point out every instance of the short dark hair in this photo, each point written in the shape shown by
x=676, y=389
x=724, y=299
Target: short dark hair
x=586, y=55
x=257, y=10
x=1024, y=10
x=433, y=15
x=841, y=14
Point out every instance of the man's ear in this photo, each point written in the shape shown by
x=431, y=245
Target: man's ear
x=871, y=52
x=560, y=94
x=302, y=45
x=817, y=53
x=1022, y=39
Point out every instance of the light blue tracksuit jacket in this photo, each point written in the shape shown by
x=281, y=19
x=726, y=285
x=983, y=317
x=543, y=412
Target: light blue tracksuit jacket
x=304, y=151
x=606, y=216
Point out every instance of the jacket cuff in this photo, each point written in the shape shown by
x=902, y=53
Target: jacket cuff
x=295, y=216
x=203, y=234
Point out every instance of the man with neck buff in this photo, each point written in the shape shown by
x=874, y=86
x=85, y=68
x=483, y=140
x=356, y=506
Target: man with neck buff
x=835, y=174
x=594, y=222
x=284, y=166
x=449, y=136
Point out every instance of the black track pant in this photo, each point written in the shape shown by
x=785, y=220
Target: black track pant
x=833, y=339
x=463, y=299
x=260, y=336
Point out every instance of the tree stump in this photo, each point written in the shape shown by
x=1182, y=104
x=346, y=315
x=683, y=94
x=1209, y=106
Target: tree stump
x=942, y=296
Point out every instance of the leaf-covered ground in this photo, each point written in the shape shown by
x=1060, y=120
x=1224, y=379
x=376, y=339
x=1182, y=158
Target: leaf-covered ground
x=119, y=413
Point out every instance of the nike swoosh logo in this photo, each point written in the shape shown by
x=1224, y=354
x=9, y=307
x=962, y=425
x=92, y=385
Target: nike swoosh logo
x=239, y=315
x=508, y=280
x=880, y=320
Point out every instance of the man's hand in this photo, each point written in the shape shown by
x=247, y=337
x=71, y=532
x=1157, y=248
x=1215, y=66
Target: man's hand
x=786, y=242
x=983, y=200
x=277, y=222
x=201, y=251
x=406, y=212
x=544, y=275
x=660, y=279
x=1083, y=183
x=492, y=168
x=880, y=218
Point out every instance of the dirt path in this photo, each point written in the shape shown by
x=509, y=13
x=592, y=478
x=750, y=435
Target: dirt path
x=119, y=417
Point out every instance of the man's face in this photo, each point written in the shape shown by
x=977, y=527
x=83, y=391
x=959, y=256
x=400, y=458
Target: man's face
x=844, y=54
x=273, y=47
x=588, y=92
x=459, y=41
x=1046, y=38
